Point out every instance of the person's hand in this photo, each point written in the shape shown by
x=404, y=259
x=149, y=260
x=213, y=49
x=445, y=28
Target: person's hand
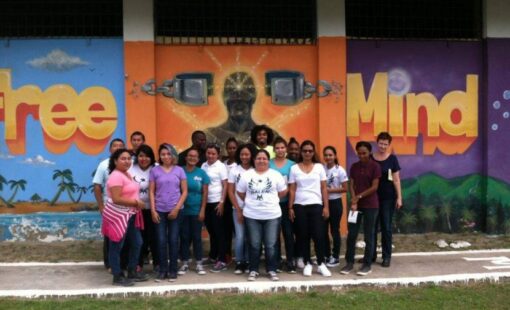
x=240, y=217
x=292, y=215
x=354, y=200
x=399, y=203
x=174, y=214
x=354, y=206
x=201, y=216
x=101, y=208
x=325, y=213
x=140, y=205
x=219, y=209
x=155, y=217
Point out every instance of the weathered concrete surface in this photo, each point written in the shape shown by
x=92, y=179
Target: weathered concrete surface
x=46, y=279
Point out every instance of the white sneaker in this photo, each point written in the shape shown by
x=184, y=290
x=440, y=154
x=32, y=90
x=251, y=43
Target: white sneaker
x=300, y=263
x=200, y=269
x=307, y=271
x=253, y=276
x=182, y=271
x=323, y=270
x=273, y=276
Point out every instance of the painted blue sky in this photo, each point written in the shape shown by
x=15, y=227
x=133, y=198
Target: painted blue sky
x=83, y=63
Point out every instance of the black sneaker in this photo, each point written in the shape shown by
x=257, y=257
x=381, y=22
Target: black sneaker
x=386, y=263
x=138, y=276
x=161, y=277
x=291, y=268
x=364, y=270
x=122, y=281
x=347, y=268
x=172, y=277
x=239, y=268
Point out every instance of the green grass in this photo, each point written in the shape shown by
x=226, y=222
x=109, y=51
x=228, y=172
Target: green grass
x=469, y=296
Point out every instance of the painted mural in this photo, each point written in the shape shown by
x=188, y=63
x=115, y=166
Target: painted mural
x=61, y=101
x=428, y=96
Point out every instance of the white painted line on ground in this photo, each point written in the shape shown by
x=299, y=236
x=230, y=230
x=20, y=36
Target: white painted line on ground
x=496, y=267
x=497, y=258
x=255, y=287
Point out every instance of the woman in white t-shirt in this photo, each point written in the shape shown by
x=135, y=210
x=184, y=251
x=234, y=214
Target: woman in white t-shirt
x=230, y=162
x=337, y=184
x=261, y=189
x=244, y=158
x=309, y=205
x=214, y=221
x=140, y=171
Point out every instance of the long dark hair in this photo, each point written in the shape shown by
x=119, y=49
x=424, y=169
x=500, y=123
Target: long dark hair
x=315, y=159
x=147, y=150
x=114, y=157
x=252, y=148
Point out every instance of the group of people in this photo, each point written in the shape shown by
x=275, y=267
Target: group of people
x=256, y=193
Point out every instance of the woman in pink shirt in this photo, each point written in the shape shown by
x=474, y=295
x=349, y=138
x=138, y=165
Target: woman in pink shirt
x=122, y=219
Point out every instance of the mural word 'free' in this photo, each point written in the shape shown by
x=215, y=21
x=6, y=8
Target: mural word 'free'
x=449, y=125
x=66, y=117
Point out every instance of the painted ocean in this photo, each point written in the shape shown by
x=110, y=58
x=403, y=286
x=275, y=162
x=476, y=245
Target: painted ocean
x=51, y=226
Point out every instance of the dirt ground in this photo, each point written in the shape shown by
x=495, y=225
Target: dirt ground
x=92, y=250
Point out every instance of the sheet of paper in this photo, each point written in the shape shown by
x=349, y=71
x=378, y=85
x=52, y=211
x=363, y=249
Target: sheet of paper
x=353, y=217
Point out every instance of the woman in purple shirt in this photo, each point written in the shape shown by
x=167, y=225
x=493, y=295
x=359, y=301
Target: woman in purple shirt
x=364, y=176
x=168, y=190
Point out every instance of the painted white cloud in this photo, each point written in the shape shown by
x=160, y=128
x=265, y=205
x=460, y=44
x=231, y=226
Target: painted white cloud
x=57, y=60
x=38, y=161
x=5, y=156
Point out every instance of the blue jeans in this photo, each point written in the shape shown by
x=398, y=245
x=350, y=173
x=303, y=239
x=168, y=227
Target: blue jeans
x=333, y=222
x=384, y=220
x=369, y=217
x=240, y=245
x=262, y=231
x=134, y=239
x=168, y=241
x=191, y=231
x=288, y=234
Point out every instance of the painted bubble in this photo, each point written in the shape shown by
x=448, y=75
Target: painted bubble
x=506, y=94
x=399, y=82
x=496, y=104
x=506, y=114
x=494, y=127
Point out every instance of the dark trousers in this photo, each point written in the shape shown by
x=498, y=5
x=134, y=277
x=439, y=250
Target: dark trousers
x=287, y=228
x=229, y=226
x=149, y=239
x=384, y=221
x=124, y=254
x=215, y=227
x=310, y=225
x=333, y=225
x=168, y=242
x=191, y=232
x=131, y=237
x=368, y=216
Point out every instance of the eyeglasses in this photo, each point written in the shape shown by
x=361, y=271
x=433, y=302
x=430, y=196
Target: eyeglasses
x=307, y=151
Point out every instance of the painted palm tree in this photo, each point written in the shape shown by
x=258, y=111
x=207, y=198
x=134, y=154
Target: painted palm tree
x=81, y=190
x=66, y=184
x=15, y=186
x=3, y=182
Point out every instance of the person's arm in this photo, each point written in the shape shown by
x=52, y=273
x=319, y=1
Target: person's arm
x=184, y=193
x=354, y=198
x=232, y=195
x=325, y=199
x=152, y=199
x=398, y=189
x=117, y=198
x=219, y=208
x=98, y=194
x=372, y=189
x=203, y=203
x=292, y=196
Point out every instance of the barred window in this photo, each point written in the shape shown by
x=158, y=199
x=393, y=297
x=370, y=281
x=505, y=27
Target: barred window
x=61, y=18
x=416, y=19
x=236, y=22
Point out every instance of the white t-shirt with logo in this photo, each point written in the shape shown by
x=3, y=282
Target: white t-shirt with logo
x=217, y=172
x=308, y=185
x=261, y=201
x=234, y=176
x=142, y=178
x=336, y=176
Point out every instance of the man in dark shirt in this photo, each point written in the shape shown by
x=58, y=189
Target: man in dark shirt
x=198, y=141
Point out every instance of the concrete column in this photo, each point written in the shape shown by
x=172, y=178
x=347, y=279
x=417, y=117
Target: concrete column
x=139, y=66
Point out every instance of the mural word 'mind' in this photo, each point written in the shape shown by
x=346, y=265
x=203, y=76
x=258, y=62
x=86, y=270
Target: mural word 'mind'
x=449, y=125
x=66, y=117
